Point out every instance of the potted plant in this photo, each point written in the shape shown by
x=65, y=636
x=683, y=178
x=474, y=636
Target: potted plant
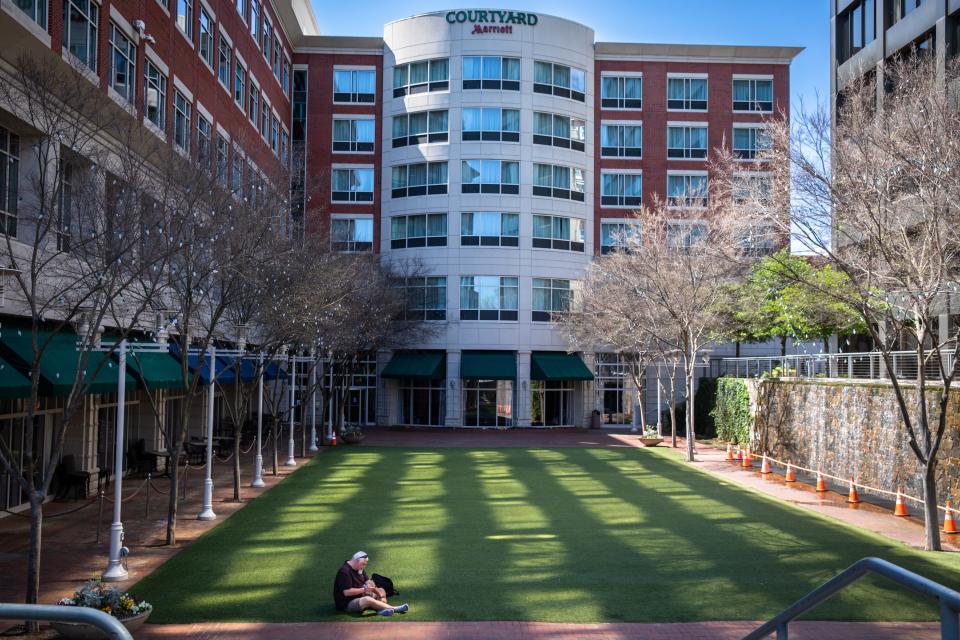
x=650, y=437
x=351, y=434
x=130, y=611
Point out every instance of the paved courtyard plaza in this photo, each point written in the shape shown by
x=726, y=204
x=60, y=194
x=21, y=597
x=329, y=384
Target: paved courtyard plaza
x=554, y=535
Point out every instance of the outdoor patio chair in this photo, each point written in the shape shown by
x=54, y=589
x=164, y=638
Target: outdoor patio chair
x=71, y=480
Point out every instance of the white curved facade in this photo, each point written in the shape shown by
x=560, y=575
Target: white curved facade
x=440, y=36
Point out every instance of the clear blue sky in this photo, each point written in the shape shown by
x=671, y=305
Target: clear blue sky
x=801, y=23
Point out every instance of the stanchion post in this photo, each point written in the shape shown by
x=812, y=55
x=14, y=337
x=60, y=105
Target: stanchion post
x=99, y=515
x=146, y=509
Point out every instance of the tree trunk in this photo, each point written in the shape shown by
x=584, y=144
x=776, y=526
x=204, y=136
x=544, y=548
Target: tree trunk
x=172, y=502
x=689, y=374
x=783, y=346
x=738, y=349
x=236, y=465
x=274, y=435
x=33, y=561
x=931, y=516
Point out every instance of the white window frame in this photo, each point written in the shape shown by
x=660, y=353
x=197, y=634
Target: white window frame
x=753, y=77
x=353, y=144
x=426, y=240
x=688, y=149
x=688, y=201
x=752, y=152
x=621, y=198
x=687, y=100
x=481, y=240
x=621, y=149
x=503, y=314
x=430, y=86
x=626, y=222
x=426, y=189
x=354, y=167
x=572, y=181
x=553, y=242
x=621, y=76
x=352, y=217
x=92, y=32
x=353, y=94
x=129, y=95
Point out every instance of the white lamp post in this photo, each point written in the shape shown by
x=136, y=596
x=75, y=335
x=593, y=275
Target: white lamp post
x=313, y=402
x=207, y=512
x=291, y=462
x=329, y=374
x=258, y=459
x=115, y=569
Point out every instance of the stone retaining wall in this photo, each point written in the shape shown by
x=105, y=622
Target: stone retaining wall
x=847, y=428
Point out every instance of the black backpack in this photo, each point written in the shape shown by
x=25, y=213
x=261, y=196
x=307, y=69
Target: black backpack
x=385, y=583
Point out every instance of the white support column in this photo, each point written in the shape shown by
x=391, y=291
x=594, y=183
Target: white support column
x=523, y=391
x=207, y=512
x=258, y=459
x=291, y=462
x=454, y=392
x=313, y=402
x=115, y=569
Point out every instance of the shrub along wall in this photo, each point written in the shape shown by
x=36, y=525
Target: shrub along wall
x=732, y=413
x=848, y=429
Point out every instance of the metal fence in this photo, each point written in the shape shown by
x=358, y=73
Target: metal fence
x=868, y=365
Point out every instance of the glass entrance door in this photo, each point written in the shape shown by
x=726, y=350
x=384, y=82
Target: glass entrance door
x=488, y=403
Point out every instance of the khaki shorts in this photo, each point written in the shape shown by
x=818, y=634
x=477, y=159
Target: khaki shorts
x=354, y=606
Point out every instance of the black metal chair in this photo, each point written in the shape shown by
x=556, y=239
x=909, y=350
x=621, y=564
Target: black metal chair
x=71, y=479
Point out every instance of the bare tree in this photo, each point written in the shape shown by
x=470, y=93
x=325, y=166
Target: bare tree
x=878, y=200
x=80, y=249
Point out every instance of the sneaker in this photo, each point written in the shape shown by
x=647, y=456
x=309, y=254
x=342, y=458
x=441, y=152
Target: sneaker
x=402, y=608
x=385, y=612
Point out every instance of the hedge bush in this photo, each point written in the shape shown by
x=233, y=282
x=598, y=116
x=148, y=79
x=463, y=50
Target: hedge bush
x=731, y=413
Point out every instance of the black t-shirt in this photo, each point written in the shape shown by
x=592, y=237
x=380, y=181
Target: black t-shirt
x=347, y=578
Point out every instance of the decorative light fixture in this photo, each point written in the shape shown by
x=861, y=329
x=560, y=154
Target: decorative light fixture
x=240, y=329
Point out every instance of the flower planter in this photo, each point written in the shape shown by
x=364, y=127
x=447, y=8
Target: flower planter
x=76, y=631
x=352, y=437
x=650, y=442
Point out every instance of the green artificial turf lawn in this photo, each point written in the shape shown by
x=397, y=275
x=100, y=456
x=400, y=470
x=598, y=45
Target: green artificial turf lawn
x=558, y=535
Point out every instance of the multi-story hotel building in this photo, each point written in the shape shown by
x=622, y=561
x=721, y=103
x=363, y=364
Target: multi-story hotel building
x=500, y=150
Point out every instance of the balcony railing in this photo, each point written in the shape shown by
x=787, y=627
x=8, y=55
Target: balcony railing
x=868, y=365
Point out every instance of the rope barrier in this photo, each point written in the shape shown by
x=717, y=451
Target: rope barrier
x=19, y=514
x=128, y=498
x=856, y=484
x=253, y=443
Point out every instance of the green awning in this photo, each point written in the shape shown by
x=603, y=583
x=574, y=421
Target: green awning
x=488, y=365
x=13, y=384
x=154, y=369
x=59, y=361
x=556, y=365
x=425, y=365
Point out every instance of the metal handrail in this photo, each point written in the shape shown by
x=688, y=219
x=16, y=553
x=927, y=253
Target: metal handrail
x=948, y=599
x=58, y=613
x=867, y=365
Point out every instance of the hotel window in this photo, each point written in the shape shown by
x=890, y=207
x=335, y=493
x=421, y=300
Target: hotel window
x=286, y=76
x=559, y=80
x=353, y=136
x=354, y=86
x=556, y=181
x=749, y=187
x=122, y=64
x=421, y=179
x=274, y=134
x=490, y=176
x=67, y=176
x=284, y=145
x=491, y=124
x=181, y=121
x=752, y=95
x=489, y=229
x=264, y=117
x=621, y=140
x=900, y=9
x=255, y=19
x=856, y=28
x=422, y=230
x=223, y=159
x=185, y=18
x=556, y=232
x=223, y=62
x=749, y=142
x=420, y=77
x=9, y=181
x=155, y=96
x=266, y=37
x=620, y=92
x=421, y=127
x=80, y=19
x=687, y=142
x=277, y=58
x=36, y=9
x=683, y=234
x=759, y=240
x=236, y=172
x=242, y=9
x=206, y=37
x=687, y=94
x=550, y=297
x=351, y=235
x=488, y=297
x=239, y=79
x=426, y=298
x=616, y=236
x=254, y=109
x=621, y=189
x=352, y=185
x=687, y=190
x=491, y=73
x=204, y=133
x=559, y=131
x=423, y=402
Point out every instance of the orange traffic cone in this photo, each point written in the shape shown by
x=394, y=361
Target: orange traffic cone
x=746, y=460
x=821, y=485
x=949, y=524
x=853, y=497
x=765, y=467
x=333, y=440
x=790, y=477
x=900, y=509
x=729, y=451
x=739, y=454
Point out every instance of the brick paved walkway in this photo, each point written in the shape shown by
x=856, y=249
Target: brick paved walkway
x=71, y=554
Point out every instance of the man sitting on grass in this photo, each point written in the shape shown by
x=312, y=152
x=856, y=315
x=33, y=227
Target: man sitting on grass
x=353, y=592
